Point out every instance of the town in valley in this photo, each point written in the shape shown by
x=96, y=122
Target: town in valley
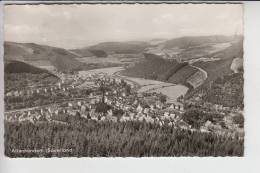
x=178, y=96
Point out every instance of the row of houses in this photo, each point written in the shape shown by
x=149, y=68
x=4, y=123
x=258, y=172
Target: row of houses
x=29, y=92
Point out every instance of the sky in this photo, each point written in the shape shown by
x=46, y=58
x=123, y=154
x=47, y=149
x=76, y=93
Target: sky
x=74, y=26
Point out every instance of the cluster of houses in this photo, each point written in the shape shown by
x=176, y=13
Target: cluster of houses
x=133, y=105
x=39, y=90
x=86, y=109
x=231, y=129
x=33, y=96
x=196, y=101
x=212, y=107
x=123, y=104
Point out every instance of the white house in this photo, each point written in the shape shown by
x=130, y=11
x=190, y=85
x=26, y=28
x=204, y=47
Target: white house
x=70, y=104
x=56, y=112
x=172, y=115
x=83, y=108
x=139, y=108
x=146, y=110
x=172, y=106
x=110, y=112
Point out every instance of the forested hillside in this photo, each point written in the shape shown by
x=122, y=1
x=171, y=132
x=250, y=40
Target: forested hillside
x=227, y=91
x=21, y=67
x=221, y=67
x=19, y=74
x=88, y=138
x=156, y=68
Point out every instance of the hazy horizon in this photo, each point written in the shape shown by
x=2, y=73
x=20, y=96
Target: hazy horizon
x=95, y=43
x=77, y=26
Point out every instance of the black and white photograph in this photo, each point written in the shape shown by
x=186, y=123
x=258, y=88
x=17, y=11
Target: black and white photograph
x=123, y=80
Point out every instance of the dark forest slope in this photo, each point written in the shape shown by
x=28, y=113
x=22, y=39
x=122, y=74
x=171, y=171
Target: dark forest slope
x=60, y=58
x=19, y=75
x=156, y=68
x=21, y=67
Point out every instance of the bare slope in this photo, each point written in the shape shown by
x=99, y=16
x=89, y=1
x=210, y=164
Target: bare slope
x=32, y=53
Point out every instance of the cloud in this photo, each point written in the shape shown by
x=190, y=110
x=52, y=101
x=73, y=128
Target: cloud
x=79, y=25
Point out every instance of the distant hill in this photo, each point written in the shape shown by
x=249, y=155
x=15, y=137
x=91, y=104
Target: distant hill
x=131, y=47
x=40, y=55
x=102, y=50
x=170, y=70
x=191, y=41
x=21, y=67
x=98, y=53
x=156, y=41
x=156, y=68
x=83, y=52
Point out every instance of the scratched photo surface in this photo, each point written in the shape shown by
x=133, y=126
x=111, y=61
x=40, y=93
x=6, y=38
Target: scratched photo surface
x=123, y=80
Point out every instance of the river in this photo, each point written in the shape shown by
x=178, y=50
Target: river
x=172, y=91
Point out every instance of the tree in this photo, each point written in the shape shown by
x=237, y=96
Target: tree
x=103, y=89
x=163, y=98
x=194, y=117
x=239, y=119
x=102, y=107
x=128, y=90
x=133, y=139
x=118, y=113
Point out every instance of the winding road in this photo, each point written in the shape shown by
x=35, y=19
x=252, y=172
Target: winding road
x=200, y=69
